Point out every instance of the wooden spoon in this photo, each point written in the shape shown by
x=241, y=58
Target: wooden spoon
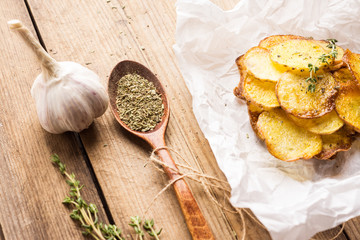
x=195, y=220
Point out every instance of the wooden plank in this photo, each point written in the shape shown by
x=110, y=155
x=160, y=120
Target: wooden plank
x=31, y=188
x=100, y=34
x=333, y=233
x=352, y=228
x=2, y=237
x=116, y=31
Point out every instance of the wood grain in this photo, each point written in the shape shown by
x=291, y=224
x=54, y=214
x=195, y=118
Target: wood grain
x=195, y=221
x=141, y=31
x=352, y=228
x=31, y=188
x=99, y=34
x=118, y=31
x=2, y=237
x=331, y=234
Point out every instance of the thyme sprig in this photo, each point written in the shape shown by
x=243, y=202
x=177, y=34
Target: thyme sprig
x=332, y=44
x=332, y=54
x=149, y=227
x=136, y=224
x=87, y=214
x=312, y=79
x=323, y=59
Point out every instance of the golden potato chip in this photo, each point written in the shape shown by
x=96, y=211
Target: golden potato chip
x=337, y=66
x=254, y=111
x=294, y=97
x=296, y=54
x=254, y=108
x=344, y=78
x=238, y=91
x=350, y=129
x=338, y=62
x=339, y=56
x=353, y=62
x=325, y=124
x=333, y=143
x=260, y=92
x=257, y=62
x=273, y=40
x=284, y=139
x=347, y=105
x=319, y=99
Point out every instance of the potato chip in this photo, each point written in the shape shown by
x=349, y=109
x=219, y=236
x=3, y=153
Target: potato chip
x=325, y=124
x=296, y=54
x=294, y=97
x=258, y=63
x=301, y=99
x=347, y=105
x=338, y=62
x=333, y=143
x=353, y=61
x=260, y=92
x=284, y=139
x=344, y=78
x=238, y=91
x=273, y=40
x=254, y=112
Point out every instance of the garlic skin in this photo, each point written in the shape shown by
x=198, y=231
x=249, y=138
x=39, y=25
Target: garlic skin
x=70, y=101
x=68, y=96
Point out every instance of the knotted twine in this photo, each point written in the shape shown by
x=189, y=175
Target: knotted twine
x=185, y=170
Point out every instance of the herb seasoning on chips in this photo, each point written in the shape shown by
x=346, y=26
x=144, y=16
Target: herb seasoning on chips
x=139, y=105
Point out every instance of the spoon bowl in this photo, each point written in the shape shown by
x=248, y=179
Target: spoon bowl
x=123, y=68
x=195, y=220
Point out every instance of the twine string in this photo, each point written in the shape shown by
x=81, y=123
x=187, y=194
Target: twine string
x=206, y=182
x=192, y=174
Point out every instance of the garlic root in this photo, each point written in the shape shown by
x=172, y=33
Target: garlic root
x=48, y=63
x=68, y=95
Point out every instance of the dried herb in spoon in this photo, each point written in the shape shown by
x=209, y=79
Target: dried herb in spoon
x=139, y=104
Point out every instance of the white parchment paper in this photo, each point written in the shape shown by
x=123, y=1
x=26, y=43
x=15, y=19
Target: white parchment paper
x=293, y=200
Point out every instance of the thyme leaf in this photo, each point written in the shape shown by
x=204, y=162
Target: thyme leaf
x=149, y=227
x=324, y=58
x=87, y=214
x=136, y=224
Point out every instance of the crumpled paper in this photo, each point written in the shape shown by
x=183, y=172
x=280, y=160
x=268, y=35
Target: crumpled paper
x=293, y=200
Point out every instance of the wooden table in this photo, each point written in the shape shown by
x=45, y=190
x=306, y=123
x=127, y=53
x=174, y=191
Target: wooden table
x=108, y=160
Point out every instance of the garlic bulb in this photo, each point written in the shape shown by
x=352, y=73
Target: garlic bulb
x=68, y=96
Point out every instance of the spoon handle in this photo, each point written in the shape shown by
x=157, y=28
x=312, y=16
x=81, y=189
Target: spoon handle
x=194, y=218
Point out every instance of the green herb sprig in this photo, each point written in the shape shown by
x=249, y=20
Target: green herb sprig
x=312, y=79
x=87, y=214
x=149, y=227
x=332, y=44
x=332, y=54
x=323, y=59
x=136, y=224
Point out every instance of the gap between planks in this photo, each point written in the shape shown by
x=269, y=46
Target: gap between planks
x=2, y=236
x=95, y=179
x=82, y=148
x=79, y=142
